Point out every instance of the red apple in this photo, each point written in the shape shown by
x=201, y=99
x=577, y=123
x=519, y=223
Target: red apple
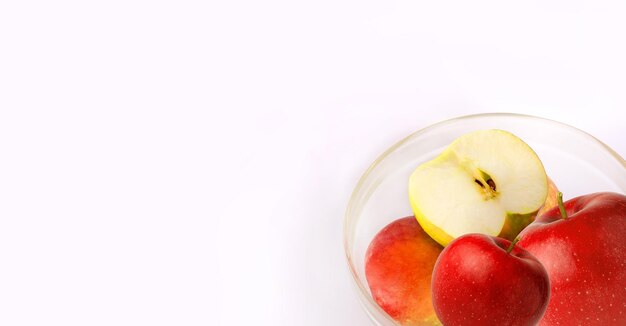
x=484, y=280
x=584, y=253
x=398, y=267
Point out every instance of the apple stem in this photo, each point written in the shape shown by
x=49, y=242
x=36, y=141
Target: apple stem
x=562, y=207
x=508, y=250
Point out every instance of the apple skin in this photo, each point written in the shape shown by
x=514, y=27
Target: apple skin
x=552, y=199
x=398, y=267
x=476, y=282
x=585, y=256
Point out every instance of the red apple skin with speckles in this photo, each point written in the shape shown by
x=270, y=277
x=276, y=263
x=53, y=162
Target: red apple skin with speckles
x=585, y=256
x=477, y=282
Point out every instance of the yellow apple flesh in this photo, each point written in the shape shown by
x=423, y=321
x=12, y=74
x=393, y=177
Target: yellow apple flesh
x=487, y=181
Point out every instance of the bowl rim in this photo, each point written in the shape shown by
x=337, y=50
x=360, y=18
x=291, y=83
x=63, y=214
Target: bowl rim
x=360, y=286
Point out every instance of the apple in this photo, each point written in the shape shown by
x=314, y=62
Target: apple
x=484, y=280
x=582, y=245
x=552, y=199
x=398, y=267
x=486, y=181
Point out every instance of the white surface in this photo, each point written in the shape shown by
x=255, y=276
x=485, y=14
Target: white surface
x=189, y=163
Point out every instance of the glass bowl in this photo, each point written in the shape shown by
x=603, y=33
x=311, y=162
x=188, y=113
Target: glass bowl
x=577, y=162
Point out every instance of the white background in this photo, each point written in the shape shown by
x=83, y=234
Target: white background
x=189, y=162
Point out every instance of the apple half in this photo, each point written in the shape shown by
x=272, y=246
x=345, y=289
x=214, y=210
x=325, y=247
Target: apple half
x=486, y=181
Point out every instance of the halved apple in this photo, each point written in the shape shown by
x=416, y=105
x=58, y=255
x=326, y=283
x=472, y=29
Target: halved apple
x=487, y=181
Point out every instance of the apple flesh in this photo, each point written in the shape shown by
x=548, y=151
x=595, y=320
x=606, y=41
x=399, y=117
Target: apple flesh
x=484, y=280
x=585, y=256
x=487, y=181
x=398, y=267
x=515, y=223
